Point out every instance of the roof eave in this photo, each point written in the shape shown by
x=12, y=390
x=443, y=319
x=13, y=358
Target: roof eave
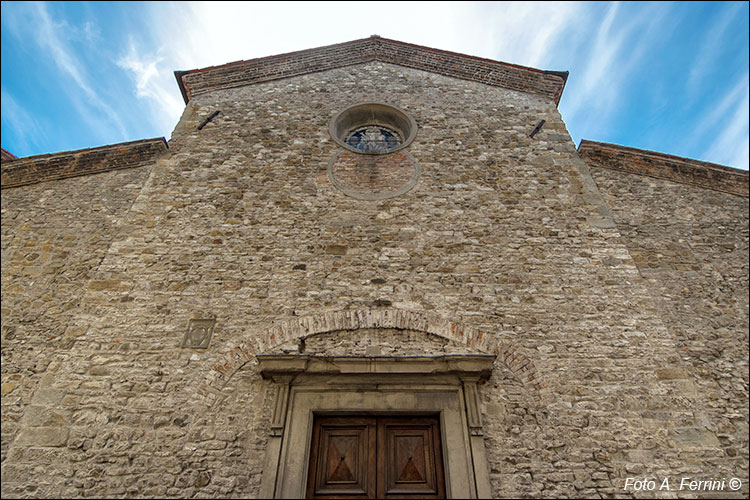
x=366, y=49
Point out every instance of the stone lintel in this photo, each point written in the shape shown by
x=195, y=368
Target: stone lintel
x=272, y=365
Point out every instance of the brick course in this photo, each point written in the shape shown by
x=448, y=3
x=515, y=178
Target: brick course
x=663, y=166
x=341, y=321
x=6, y=155
x=55, y=166
x=548, y=84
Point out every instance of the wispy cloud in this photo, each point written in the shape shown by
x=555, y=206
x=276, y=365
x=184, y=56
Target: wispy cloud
x=731, y=145
x=625, y=81
x=28, y=133
x=518, y=32
x=153, y=81
x=606, y=46
x=707, y=123
x=93, y=107
x=711, y=44
x=612, y=55
x=222, y=32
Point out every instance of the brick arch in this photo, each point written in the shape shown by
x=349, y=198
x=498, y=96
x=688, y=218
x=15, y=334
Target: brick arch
x=213, y=382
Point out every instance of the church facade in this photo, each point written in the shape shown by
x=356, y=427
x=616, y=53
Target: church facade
x=373, y=269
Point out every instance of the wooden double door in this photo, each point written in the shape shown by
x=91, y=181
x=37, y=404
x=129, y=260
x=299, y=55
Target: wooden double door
x=376, y=457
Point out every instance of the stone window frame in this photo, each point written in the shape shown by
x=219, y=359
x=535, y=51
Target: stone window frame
x=375, y=114
x=309, y=385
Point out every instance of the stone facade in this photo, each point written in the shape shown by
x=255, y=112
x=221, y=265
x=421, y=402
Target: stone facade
x=614, y=297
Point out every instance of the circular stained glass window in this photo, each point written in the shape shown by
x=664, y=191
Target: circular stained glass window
x=373, y=128
x=374, y=139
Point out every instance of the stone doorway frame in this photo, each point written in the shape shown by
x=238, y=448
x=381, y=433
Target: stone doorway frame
x=306, y=385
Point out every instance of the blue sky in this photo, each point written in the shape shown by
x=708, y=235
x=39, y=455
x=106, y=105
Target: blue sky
x=664, y=76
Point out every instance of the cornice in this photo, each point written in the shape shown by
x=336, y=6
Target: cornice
x=549, y=84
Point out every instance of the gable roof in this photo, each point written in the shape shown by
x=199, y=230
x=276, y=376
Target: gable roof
x=547, y=84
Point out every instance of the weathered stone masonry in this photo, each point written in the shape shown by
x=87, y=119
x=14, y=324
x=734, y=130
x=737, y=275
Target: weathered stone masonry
x=613, y=290
x=691, y=247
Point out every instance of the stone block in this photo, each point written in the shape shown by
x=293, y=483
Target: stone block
x=42, y=436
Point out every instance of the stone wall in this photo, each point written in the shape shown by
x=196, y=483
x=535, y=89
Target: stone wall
x=239, y=223
x=54, y=236
x=690, y=244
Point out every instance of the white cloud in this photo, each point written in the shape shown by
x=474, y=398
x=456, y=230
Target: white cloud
x=608, y=42
x=29, y=133
x=612, y=56
x=711, y=44
x=201, y=34
x=48, y=36
x=222, y=32
x=605, y=46
x=718, y=109
x=153, y=81
x=522, y=33
x=730, y=147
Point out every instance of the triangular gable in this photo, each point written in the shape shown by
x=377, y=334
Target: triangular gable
x=547, y=84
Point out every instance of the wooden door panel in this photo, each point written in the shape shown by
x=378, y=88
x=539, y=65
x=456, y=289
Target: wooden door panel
x=409, y=458
x=342, y=461
x=376, y=457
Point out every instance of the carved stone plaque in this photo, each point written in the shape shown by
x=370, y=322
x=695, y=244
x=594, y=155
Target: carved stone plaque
x=199, y=333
